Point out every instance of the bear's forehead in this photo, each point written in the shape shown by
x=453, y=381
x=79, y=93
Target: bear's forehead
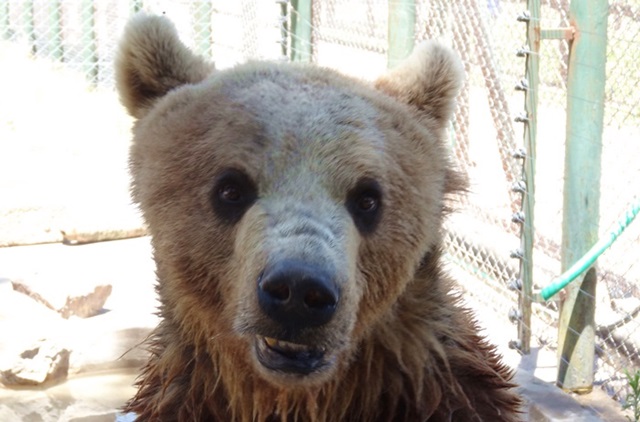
x=300, y=126
x=304, y=103
x=306, y=118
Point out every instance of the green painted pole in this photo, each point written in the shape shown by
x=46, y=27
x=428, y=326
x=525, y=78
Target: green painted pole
x=29, y=25
x=203, y=11
x=284, y=27
x=301, y=18
x=583, y=148
x=5, y=22
x=528, y=175
x=136, y=6
x=90, y=50
x=55, y=31
x=402, y=24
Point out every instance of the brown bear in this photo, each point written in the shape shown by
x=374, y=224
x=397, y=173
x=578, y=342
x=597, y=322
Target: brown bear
x=296, y=220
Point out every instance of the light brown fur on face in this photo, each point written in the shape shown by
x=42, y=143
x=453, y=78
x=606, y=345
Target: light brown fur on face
x=296, y=218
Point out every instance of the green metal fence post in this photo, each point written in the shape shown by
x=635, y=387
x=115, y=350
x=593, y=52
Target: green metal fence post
x=5, y=23
x=90, y=48
x=29, y=25
x=301, y=16
x=585, y=111
x=402, y=24
x=530, y=87
x=284, y=27
x=203, y=11
x=135, y=6
x=55, y=31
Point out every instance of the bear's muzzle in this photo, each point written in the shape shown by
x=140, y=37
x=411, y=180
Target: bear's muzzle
x=297, y=296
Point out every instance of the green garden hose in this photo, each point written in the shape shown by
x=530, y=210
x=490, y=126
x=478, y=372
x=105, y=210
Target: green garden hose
x=589, y=258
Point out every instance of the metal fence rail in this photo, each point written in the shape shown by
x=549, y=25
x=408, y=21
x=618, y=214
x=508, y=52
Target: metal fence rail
x=354, y=36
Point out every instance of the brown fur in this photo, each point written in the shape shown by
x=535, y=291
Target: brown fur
x=399, y=347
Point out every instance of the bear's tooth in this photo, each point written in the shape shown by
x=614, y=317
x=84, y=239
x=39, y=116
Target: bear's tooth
x=271, y=342
x=285, y=346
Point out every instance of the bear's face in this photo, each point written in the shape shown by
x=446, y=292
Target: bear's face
x=289, y=205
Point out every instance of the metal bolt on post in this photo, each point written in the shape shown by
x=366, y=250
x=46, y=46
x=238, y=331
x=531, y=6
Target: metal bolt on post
x=525, y=218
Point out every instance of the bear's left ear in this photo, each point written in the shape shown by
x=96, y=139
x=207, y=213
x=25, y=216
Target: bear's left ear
x=151, y=61
x=428, y=79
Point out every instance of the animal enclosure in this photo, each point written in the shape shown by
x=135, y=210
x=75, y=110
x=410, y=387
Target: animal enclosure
x=505, y=96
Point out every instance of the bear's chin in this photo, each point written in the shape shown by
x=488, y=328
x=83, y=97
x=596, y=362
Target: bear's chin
x=287, y=363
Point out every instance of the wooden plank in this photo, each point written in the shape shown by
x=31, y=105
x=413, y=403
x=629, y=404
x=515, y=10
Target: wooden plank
x=402, y=23
x=301, y=18
x=581, y=207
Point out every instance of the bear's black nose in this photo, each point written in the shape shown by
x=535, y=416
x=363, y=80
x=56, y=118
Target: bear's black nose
x=297, y=294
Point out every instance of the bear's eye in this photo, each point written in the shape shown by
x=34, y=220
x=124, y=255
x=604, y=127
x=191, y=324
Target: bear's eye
x=368, y=204
x=233, y=193
x=364, y=203
x=230, y=193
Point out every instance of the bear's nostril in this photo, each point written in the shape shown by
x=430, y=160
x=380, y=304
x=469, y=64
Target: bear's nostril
x=319, y=299
x=278, y=291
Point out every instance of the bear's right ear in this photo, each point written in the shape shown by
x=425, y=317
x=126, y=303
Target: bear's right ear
x=429, y=79
x=151, y=61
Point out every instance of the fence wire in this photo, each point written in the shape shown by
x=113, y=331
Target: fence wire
x=352, y=36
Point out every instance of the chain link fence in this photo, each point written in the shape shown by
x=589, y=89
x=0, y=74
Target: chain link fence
x=352, y=36
x=618, y=307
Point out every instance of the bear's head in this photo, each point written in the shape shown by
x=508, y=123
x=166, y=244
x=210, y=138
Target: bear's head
x=289, y=205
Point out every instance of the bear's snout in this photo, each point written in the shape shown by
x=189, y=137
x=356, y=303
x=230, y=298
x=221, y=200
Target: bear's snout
x=297, y=294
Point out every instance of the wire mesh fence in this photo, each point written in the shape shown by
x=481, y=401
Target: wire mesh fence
x=616, y=294
x=352, y=35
